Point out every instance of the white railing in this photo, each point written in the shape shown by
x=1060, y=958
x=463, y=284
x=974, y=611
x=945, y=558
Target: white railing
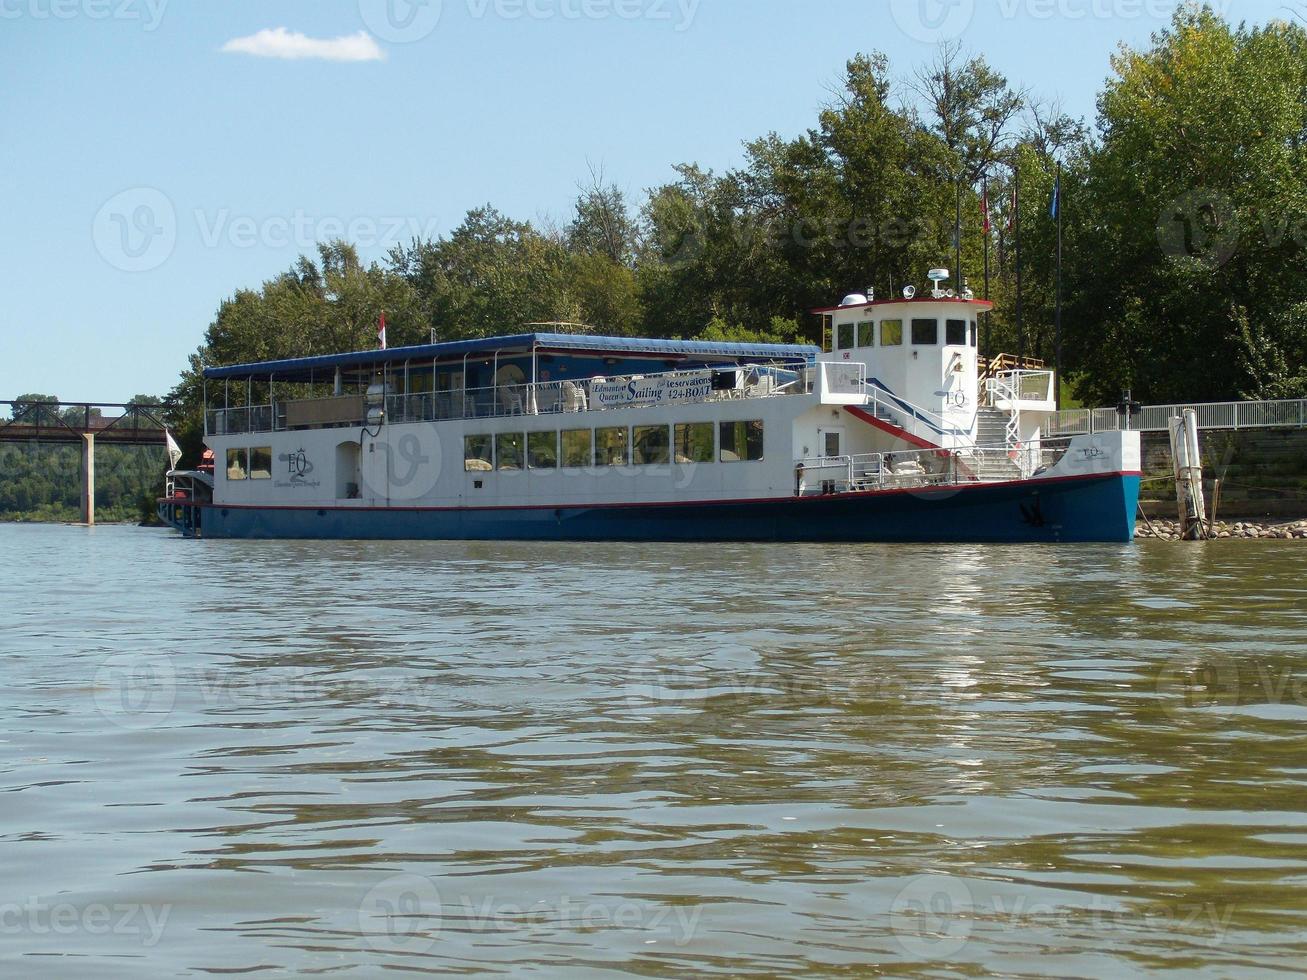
x=843, y=378
x=891, y=408
x=925, y=469
x=1157, y=418
x=1021, y=386
x=558, y=397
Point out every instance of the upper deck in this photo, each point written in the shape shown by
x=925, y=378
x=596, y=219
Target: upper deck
x=526, y=374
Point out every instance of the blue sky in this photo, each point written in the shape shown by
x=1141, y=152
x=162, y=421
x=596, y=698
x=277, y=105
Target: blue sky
x=146, y=173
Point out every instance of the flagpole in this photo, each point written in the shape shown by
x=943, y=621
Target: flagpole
x=957, y=239
x=985, y=197
x=1016, y=209
x=1057, y=317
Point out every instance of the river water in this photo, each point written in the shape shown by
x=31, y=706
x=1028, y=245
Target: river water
x=590, y=760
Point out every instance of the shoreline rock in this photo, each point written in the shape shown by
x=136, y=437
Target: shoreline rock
x=1227, y=530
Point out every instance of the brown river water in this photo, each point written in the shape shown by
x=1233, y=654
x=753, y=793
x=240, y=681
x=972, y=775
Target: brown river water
x=658, y=760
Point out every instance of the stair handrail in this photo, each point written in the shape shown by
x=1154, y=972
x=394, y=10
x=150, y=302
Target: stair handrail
x=941, y=425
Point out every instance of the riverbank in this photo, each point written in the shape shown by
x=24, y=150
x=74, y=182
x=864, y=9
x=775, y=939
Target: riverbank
x=1163, y=530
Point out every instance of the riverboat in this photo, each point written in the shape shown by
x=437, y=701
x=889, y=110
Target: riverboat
x=895, y=430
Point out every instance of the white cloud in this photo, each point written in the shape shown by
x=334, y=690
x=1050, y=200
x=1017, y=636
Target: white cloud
x=280, y=43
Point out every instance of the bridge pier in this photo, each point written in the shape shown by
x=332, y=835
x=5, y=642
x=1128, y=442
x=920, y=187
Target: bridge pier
x=88, y=479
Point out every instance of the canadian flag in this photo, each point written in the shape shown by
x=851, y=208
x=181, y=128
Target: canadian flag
x=381, y=331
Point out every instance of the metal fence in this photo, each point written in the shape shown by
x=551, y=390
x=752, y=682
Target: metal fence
x=749, y=381
x=1157, y=418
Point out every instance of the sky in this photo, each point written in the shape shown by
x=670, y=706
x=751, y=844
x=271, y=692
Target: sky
x=158, y=155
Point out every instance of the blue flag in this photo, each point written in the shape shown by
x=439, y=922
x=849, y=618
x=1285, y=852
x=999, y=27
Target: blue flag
x=1055, y=209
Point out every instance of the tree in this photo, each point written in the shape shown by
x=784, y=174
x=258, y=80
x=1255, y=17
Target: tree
x=1192, y=195
x=970, y=107
x=602, y=224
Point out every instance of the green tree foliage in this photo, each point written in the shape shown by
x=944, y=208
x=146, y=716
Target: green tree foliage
x=1182, y=215
x=42, y=482
x=1190, y=230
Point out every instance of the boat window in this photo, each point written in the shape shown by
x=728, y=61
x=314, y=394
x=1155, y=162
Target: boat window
x=955, y=333
x=651, y=445
x=694, y=442
x=866, y=334
x=741, y=442
x=891, y=333
x=610, y=446
x=238, y=464
x=925, y=333
x=261, y=463
x=847, y=336
x=973, y=334
x=476, y=454
x=510, y=451
x=542, y=450
x=576, y=448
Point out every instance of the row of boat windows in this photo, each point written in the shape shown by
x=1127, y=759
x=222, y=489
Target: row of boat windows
x=924, y=333
x=250, y=464
x=636, y=445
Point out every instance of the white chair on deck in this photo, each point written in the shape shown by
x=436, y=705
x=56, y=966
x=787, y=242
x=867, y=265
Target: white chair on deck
x=511, y=401
x=573, y=397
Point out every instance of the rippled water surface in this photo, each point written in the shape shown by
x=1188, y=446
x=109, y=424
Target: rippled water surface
x=339, y=758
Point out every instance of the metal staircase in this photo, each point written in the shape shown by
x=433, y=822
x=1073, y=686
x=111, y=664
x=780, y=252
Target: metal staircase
x=994, y=429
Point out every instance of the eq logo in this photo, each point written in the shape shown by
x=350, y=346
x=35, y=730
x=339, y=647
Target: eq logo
x=136, y=230
x=932, y=21
x=298, y=470
x=401, y=21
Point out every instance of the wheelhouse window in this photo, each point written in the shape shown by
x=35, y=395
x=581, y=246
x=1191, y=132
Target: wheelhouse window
x=510, y=451
x=576, y=448
x=925, y=333
x=476, y=454
x=741, y=442
x=651, y=445
x=694, y=442
x=847, y=336
x=866, y=334
x=611, y=446
x=238, y=464
x=974, y=335
x=955, y=333
x=261, y=463
x=542, y=450
x=891, y=333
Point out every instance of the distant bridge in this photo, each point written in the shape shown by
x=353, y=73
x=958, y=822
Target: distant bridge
x=83, y=424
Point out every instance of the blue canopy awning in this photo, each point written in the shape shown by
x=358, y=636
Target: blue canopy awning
x=302, y=368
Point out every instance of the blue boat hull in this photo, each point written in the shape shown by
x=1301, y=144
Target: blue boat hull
x=1089, y=509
